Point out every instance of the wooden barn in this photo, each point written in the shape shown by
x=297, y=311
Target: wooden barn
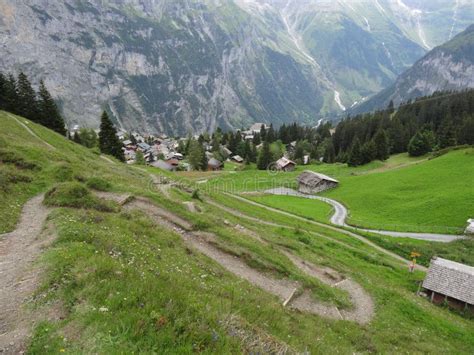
x=310, y=182
x=213, y=164
x=450, y=282
x=285, y=164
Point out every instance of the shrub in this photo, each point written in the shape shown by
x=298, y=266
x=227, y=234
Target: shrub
x=195, y=195
x=11, y=176
x=63, y=173
x=98, y=184
x=76, y=195
x=7, y=156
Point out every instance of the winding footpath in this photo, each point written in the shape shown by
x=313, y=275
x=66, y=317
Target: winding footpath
x=286, y=290
x=340, y=216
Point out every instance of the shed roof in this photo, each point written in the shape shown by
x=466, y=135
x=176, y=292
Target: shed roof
x=214, y=162
x=452, y=279
x=162, y=165
x=312, y=178
x=238, y=158
x=282, y=162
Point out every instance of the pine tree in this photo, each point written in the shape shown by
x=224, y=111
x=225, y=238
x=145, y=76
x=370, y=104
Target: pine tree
x=195, y=155
x=382, y=148
x=391, y=107
x=27, y=103
x=49, y=115
x=299, y=152
x=329, y=153
x=447, y=134
x=466, y=133
x=264, y=157
x=270, y=137
x=139, y=158
x=77, y=138
x=368, y=152
x=12, y=100
x=355, y=156
x=421, y=143
x=263, y=133
x=108, y=140
x=3, y=93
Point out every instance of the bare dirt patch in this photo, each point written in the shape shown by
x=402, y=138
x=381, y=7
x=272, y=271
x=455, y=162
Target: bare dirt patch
x=19, y=277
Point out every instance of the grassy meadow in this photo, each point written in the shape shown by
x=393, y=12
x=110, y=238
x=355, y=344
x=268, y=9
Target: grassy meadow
x=424, y=194
x=125, y=284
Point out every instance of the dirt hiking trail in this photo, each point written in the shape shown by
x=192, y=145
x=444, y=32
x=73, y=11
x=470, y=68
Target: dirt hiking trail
x=18, y=275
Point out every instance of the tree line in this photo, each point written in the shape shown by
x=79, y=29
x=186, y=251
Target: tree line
x=418, y=127
x=18, y=97
x=430, y=123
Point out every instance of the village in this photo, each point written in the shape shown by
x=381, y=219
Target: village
x=168, y=153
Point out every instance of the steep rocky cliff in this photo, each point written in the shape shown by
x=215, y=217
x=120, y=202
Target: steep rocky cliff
x=176, y=66
x=447, y=67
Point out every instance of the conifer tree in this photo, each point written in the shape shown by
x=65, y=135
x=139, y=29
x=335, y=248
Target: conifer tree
x=263, y=133
x=355, y=156
x=382, y=148
x=49, y=115
x=139, y=158
x=447, y=135
x=270, y=134
x=368, y=152
x=329, y=153
x=265, y=157
x=77, y=138
x=195, y=153
x=12, y=101
x=108, y=140
x=27, y=103
x=3, y=98
x=421, y=143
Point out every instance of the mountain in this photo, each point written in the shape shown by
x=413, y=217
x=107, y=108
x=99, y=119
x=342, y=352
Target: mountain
x=445, y=68
x=180, y=66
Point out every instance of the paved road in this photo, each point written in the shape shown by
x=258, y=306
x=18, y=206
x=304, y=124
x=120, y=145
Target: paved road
x=340, y=215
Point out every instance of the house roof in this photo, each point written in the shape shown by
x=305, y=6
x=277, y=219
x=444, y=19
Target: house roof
x=214, y=162
x=282, y=162
x=256, y=127
x=238, y=158
x=312, y=178
x=162, y=165
x=127, y=142
x=143, y=146
x=452, y=279
x=173, y=162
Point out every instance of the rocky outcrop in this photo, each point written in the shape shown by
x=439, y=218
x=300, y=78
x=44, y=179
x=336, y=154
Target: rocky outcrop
x=449, y=67
x=190, y=70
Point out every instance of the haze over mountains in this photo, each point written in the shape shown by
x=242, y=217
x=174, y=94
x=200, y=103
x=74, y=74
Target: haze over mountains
x=179, y=66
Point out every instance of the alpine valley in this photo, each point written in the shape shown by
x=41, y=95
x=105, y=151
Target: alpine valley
x=178, y=66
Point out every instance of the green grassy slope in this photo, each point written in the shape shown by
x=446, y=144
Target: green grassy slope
x=433, y=196
x=403, y=193
x=127, y=285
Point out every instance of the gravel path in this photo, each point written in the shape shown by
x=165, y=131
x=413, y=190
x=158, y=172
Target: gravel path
x=338, y=229
x=18, y=278
x=283, y=289
x=340, y=215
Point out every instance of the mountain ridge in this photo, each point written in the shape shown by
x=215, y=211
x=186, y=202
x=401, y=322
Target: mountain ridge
x=190, y=66
x=448, y=67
